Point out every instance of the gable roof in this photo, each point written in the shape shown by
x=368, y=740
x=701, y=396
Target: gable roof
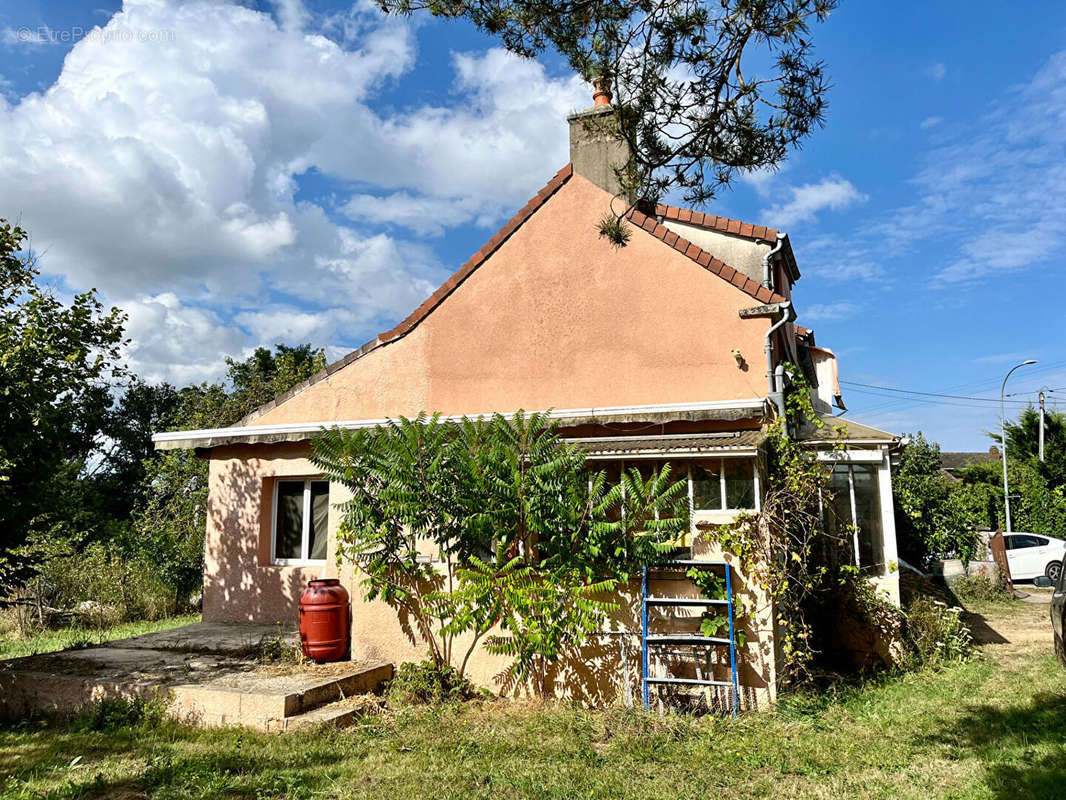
x=716, y=223
x=648, y=224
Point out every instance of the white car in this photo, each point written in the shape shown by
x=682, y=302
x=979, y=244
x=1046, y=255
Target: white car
x=1030, y=555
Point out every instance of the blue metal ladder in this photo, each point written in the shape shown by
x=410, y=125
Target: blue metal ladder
x=652, y=640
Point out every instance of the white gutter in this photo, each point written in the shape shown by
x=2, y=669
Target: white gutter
x=207, y=434
x=767, y=279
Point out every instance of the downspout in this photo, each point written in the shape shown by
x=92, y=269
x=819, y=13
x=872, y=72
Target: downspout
x=767, y=278
x=776, y=378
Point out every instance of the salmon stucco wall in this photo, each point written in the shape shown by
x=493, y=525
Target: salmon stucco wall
x=558, y=318
x=241, y=584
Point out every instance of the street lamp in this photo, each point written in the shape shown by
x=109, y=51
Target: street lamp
x=1003, y=437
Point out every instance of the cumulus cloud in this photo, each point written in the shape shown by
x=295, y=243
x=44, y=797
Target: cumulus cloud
x=807, y=201
x=171, y=341
x=423, y=214
x=494, y=143
x=164, y=171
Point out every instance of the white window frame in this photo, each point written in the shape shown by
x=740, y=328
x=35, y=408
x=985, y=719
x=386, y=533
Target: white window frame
x=305, y=538
x=722, y=486
x=879, y=459
x=849, y=461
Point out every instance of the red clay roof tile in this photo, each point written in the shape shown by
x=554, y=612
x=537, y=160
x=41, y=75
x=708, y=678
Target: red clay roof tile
x=720, y=224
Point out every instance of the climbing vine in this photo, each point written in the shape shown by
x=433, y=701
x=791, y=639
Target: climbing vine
x=786, y=550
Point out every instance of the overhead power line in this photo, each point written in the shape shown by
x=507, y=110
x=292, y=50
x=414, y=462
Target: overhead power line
x=931, y=394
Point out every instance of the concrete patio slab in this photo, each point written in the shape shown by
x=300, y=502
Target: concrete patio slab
x=207, y=674
x=223, y=638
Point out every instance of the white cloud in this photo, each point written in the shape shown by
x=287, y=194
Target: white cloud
x=829, y=311
x=808, y=200
x=937, y=70
x=424, y=214
x=178, y=343
x=164, y=172
x=984, y=193
x=761, y=180
x=501, y=139
x=1000, y=358
x=930, y=122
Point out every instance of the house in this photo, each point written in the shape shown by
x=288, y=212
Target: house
x=669, y=348
x=952, y=465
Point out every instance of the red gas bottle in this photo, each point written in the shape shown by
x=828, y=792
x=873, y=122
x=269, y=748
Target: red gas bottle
x=324, y=609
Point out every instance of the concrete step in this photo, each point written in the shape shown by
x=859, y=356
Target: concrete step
x=266, y=701
x=329, y=691
x=340, y=714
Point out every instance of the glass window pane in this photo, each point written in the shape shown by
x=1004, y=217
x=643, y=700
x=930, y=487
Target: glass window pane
x=837, y=508
x=290, y=519
x=318, y=536
x=739, y=483
x=868, y=516
x=706, y=486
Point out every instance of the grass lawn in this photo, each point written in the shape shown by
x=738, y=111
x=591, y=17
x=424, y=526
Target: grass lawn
x=991, y=728
x=11, y=646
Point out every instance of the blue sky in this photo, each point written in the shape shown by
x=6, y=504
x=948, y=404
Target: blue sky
x=242, y=174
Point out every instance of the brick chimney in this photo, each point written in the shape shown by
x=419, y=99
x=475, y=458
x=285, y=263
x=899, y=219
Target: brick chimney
x=597, y=149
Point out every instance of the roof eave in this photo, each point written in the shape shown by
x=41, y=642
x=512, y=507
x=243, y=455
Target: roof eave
x=720, y=410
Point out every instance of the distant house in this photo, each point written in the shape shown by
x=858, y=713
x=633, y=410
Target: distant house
x=953, y=464
x=671, y=348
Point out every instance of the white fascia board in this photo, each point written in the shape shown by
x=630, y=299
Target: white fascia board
x=206, y=434
x=622, y=455
x=854, y=456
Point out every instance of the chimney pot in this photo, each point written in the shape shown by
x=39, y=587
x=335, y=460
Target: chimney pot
x=601, y=96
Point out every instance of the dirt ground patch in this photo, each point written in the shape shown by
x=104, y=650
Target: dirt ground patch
x=1018, y=622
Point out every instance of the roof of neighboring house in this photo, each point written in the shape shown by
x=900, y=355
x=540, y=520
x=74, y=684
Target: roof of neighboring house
x=683, y=444
x=648, y=224
x=848, y=430
x=704, y=259
x=716, y=223
x=732, y=227
x=954, y=461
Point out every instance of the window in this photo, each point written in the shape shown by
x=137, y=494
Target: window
x=714, y=484
x=723, y=484
x=1018, y=541
x=301, y=521
x=707, y=486
x=856, y=502
x=739, y=483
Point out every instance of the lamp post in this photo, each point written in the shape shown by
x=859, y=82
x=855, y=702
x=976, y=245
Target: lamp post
x=1003, y=437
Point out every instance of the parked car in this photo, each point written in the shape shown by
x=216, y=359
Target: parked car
x=1030, y=555
x=1058, y=611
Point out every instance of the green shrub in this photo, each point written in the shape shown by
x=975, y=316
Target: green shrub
x=934, y=635
x=117, y=588
x=426, y=683
x=116, y=713
x=982, y=587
